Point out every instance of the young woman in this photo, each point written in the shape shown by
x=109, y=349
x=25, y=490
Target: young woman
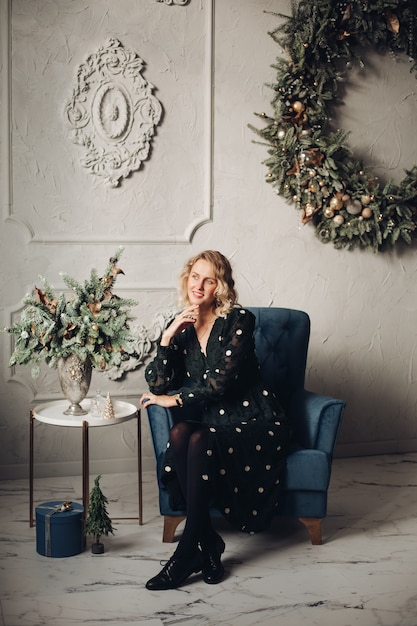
x=228, y=447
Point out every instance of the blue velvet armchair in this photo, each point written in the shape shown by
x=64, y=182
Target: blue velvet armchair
x=281, y=339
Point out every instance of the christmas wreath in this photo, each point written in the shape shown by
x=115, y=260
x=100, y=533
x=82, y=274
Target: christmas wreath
x=310, y=164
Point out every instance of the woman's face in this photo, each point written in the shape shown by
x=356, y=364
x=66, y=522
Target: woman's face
x=202, y=284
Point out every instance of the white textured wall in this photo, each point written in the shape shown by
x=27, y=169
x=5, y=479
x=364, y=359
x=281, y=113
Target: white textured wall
x=203, y=186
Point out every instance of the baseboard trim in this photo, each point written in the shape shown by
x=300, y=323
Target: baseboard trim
x=373, y=448
x=74, y=468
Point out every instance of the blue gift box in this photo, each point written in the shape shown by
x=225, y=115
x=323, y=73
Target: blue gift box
x=59, y=529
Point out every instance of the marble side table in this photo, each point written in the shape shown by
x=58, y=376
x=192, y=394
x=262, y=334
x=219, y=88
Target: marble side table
x=52, y=413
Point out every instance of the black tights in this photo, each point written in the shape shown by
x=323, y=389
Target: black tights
x=189, y=448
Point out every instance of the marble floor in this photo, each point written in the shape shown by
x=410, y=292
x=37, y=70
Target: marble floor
x=365, y=573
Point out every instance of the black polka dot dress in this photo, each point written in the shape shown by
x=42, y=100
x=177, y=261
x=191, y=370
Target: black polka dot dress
x=248, y=430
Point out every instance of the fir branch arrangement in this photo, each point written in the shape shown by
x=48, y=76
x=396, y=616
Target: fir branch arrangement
x=309, y=164
x=93, y=324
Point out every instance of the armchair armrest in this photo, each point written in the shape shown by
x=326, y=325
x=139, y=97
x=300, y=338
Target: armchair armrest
x=316, y=420
x=160, y=422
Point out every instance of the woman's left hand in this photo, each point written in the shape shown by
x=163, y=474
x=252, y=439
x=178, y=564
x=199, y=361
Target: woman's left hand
x=150, y=398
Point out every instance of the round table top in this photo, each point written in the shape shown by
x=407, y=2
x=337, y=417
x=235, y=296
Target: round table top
x=53, y=413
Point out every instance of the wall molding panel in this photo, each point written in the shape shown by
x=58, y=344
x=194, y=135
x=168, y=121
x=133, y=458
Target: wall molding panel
x=99, y=118
x=5, y=110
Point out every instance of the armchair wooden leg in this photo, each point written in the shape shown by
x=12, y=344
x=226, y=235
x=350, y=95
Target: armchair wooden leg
x=313, y=525
x=170, y=525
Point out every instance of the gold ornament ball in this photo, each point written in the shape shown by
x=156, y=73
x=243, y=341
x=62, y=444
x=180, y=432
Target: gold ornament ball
x=281, y=133
x=365, y=199
x=298, y=106
x=345, y=197
x=94, y=326
x=328, y=212
x=335, y=203
x=367, y=213
x=338, y=219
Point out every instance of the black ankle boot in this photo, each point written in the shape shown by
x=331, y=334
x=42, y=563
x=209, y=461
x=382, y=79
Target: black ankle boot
x=173, y=574
x=213, y=570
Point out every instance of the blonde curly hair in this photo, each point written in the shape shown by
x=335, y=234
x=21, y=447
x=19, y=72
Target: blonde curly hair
x=226, y=294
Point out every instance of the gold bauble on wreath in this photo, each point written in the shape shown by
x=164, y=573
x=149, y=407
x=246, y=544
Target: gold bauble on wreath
x=311, y=165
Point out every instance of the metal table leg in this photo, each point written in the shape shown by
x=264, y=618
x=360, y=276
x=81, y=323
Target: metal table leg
x=86, y=467
x=140, y=489
x=31, y=432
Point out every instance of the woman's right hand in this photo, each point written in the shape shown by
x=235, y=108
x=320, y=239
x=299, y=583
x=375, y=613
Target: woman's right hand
x=163, y=400
x=184, y=319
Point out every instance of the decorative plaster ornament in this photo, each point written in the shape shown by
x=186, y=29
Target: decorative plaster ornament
x=146, y=339
x=112, y=112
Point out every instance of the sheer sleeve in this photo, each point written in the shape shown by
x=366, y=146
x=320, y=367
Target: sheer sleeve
x=166, y=371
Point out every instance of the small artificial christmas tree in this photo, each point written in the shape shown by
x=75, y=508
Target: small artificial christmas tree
x=98, y=522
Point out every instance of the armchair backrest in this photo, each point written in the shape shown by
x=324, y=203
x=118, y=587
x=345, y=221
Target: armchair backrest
x=281, y=340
